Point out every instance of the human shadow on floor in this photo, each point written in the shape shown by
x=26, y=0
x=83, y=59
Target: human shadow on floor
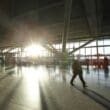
x=95, y=96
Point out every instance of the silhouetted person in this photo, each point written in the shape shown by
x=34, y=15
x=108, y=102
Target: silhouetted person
x=105, y=63
x=77, y=70
x=99, y=64
x=105, y=67
x=87, y=64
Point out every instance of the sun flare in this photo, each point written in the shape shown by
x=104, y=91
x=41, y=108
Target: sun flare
x=34, y=50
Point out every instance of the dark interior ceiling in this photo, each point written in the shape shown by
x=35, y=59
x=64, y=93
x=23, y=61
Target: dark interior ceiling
x=34, y=20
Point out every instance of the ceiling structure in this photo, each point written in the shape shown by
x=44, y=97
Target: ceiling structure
x=43, y=20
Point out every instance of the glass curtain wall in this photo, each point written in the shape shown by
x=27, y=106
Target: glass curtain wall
x=90, y=50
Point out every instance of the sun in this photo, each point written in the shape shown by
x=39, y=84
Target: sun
x=34, y=50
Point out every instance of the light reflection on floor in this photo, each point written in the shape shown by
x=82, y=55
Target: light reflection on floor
x=32, y=77
x=97, y=80
x=41, y=73
x=30, y=94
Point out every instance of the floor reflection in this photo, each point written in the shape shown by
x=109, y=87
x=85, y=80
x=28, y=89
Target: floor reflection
x=106, y=73
x=33, y=76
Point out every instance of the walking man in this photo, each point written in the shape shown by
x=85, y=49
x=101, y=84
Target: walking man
x=77, y=70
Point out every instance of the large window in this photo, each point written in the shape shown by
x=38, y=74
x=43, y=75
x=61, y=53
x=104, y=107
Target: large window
x=90, y=50
x=107, y=50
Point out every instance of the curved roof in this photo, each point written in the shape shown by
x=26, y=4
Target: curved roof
x=33, y=20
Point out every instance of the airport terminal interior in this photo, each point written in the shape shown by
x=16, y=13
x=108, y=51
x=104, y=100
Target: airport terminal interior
x=40, y=40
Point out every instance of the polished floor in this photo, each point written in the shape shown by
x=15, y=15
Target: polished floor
x=47, y=88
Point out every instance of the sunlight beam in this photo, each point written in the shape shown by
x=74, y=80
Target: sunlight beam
x=34, y=50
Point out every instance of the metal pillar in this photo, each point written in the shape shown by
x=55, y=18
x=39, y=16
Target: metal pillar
x=67, y=14
x=103, y=47
x=91, y=56
x=79, y=49
x=97, y=53
x=85, y=53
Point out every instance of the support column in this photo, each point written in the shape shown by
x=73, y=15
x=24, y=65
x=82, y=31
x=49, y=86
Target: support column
x=97, y=53
x=91, y=56
x=103, y=48
x=85, y=53
x=67, y=15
